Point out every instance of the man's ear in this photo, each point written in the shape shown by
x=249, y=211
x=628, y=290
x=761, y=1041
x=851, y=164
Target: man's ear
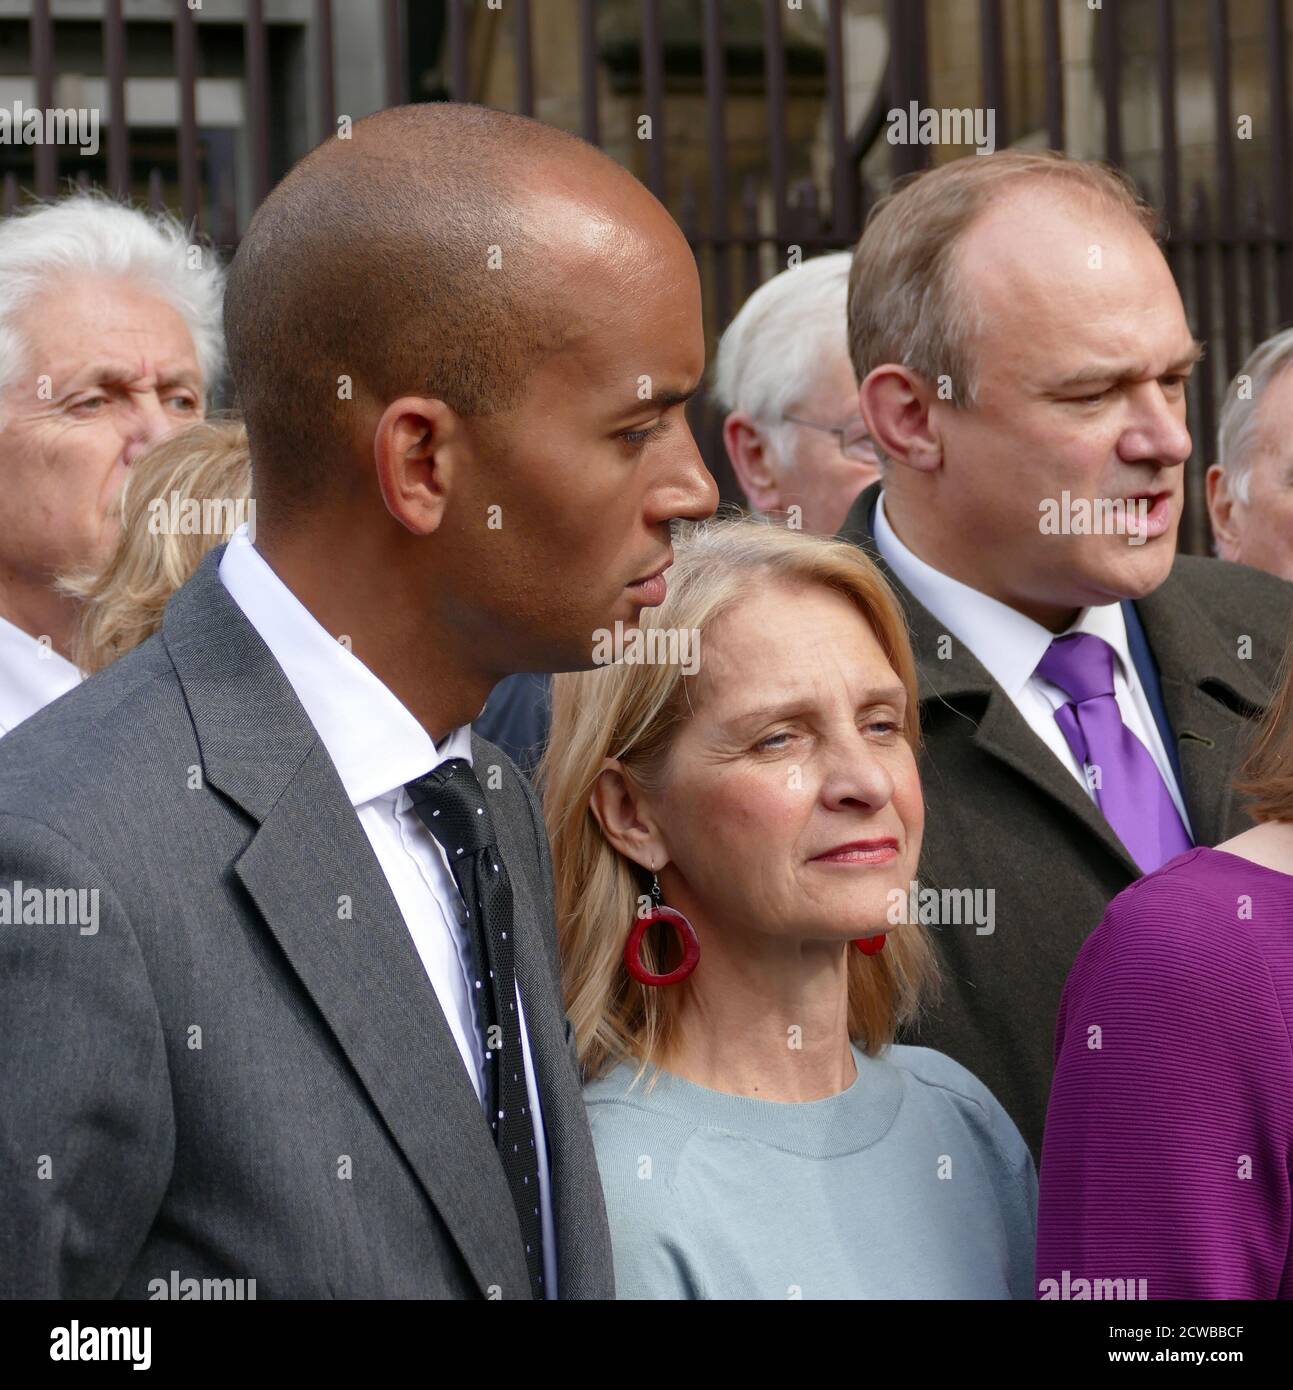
x=1221, y=510
x=414, y=449
x=625, y=818
x=752, y=460
x=895, y=402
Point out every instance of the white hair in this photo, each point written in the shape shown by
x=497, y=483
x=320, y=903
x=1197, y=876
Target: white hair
x=772, y=350
x=1237, y=427
x=90, y=234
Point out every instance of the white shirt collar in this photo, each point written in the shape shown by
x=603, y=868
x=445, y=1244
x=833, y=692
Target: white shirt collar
x=373, y=740
x=1007, y=644
x=32, y=674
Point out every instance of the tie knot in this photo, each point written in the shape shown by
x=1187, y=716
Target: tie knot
x=1080, y=664
x=451, y=804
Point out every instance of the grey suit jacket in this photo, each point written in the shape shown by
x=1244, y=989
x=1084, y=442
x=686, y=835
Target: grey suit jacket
x=1004, y=814
x=244, y=1071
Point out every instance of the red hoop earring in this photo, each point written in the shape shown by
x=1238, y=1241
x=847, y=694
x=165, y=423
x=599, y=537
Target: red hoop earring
x=871, y=945
x=687, y=939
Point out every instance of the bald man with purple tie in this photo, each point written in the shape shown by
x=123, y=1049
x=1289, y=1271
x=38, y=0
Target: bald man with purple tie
x=1087, y=694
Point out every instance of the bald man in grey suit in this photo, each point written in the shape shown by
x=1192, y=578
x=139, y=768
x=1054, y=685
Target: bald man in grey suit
x=271, y=1029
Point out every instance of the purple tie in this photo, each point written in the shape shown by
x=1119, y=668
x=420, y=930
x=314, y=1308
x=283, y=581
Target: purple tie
x=1129, y=791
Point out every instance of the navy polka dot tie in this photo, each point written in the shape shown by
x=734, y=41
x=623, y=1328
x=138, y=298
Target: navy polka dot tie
x=450, y=803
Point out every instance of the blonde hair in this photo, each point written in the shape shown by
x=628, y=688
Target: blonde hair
x=633, y=712
x=123, y=604
x=907, y=303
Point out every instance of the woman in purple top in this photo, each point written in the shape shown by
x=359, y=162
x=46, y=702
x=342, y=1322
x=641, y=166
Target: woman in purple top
x=1169, y=1137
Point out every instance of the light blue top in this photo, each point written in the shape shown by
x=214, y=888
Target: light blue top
x=912, y=1183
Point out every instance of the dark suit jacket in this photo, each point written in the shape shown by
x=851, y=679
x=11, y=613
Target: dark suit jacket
x=1003, y=813
x=232, y=1078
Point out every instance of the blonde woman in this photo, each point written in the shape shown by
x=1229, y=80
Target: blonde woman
x=758, y=1133
x=181, y=498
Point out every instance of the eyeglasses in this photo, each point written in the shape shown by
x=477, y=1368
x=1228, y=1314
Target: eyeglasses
x=855, y=442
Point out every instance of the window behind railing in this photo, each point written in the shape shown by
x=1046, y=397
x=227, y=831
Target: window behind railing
x=765, y=125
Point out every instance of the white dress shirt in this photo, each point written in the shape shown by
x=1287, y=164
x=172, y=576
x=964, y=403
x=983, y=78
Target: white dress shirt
x=377, y=746
x=1009, y=645
x=31, y=675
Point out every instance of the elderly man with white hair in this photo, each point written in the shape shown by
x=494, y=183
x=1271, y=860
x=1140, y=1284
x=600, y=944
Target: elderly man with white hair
x=109, y=340
x=1250, y=487
x=796, y=440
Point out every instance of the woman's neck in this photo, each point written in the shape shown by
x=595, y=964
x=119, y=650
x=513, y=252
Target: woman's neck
x=1269, y=844
x=773, y=1027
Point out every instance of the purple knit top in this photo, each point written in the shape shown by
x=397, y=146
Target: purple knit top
x=1169, y=1136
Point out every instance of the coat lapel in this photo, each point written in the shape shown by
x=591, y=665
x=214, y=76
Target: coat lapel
x=1211, y=697
x=309, y=863
x=1210, y=694
x=960, y=683
x=963, y=684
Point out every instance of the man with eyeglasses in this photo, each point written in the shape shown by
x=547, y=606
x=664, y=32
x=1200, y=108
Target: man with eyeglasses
x=796, y=440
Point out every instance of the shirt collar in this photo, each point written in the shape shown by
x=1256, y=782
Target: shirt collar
x=373, y=740
x=32, y=674
x=1007, y=643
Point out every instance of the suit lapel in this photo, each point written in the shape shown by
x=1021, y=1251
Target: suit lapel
x=962, y=683
x=1209, y=693
x=1211, y=698
x=959, y=683
x=577, y=1199
x=309, y=863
